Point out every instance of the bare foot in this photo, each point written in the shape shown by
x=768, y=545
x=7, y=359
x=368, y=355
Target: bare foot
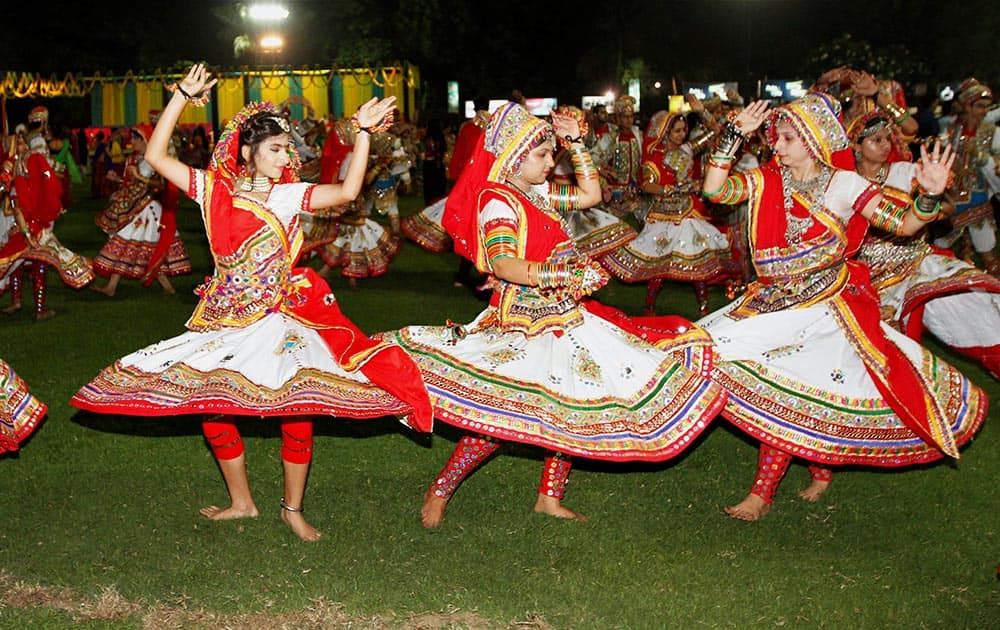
x=13, y=308
x=432, y=511
x=749, y=509
x=215, y=513
x=815, y=490
x=108, y=291
x=46, y=314
x=300, y=526
x=554, y=507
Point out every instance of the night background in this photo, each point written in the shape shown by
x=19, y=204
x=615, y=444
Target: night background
x=99, y=513
x=553, y=49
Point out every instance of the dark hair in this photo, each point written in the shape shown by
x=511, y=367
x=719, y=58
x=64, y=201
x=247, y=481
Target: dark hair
x=480, y=102
x=257, y=129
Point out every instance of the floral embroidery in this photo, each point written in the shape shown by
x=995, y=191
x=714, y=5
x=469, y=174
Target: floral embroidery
x=504, y=355
x=585, y=366
x=292, y=341
x=837, y=376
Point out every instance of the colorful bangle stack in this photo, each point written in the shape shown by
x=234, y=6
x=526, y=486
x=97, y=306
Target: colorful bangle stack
x=725, y=162
x=888, y=217
x=564, y=197
x=198, y=101
x=583, y=163
x=927, y=207
x=551, y=275
x=383, y=125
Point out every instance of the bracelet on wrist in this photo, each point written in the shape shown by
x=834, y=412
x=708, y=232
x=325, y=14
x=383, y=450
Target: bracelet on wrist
x=927, y=207
x=197, y=101
x=382, y=125
x=730, y=139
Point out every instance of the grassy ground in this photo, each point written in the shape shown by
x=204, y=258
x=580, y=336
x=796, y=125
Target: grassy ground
x=99, y=523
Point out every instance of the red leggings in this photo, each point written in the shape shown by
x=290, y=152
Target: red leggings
x=224, y=438
x=472, y=450
x=772, y=464
x=37, y=269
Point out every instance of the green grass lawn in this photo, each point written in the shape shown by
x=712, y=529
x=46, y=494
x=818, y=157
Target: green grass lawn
x=99, y=522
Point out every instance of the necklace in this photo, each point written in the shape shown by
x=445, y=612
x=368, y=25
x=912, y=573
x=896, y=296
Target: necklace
x=879, y=176
x=543, y=203
x=811, y=192
x=533, y=196
x=258, y=184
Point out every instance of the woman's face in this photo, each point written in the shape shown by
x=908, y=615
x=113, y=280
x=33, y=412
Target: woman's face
x=875, y=148
x=677, y=133
x=538, y=164
x=272, y=156
x=789, y=147
x=138, y=144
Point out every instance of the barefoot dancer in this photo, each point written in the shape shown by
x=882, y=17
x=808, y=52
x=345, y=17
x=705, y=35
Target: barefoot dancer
x=266, y=339
x=541, y=365
x=810, y=368
x=143, y=241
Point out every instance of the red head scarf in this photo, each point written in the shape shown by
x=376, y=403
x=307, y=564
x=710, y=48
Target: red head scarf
x=817, y=120
x=511, y=133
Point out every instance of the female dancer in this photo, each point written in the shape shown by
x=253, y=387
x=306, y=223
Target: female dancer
x=20, y=412
x=143, y=239
x=363, y=248
x=542, y=365
x=266, y=339
x=810, y=368
x=920, y=286
x=677, y=241
x=34, y=190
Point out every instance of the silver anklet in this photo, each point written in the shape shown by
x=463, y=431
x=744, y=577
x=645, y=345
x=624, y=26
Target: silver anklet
x=285, y=506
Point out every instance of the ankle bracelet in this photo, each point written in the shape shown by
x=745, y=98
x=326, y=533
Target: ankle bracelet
x=285, y=506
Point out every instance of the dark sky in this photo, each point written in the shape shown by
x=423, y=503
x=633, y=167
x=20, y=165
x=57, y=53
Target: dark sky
x=556, y=47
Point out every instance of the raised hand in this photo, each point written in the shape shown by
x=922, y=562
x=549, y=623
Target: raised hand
x=197, y=81
x=934, y=168
x=751, y=117
x=371, y=114
x=569, y=124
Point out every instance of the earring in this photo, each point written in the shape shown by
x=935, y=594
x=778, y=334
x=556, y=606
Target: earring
x=247, y=184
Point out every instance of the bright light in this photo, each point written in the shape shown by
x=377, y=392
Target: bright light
x=271, y=12
x=656, y=84
x=609, y=95
x=271, y=43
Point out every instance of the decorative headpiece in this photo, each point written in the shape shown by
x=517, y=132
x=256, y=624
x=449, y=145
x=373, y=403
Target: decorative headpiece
x=225, y=164
x=225, y=158
x=511, y=133
x=38, y=114
x=658, y=126
x=816, y=119
x=139, y=132
x=625, y=104
x=867, y=125
x=972, y=90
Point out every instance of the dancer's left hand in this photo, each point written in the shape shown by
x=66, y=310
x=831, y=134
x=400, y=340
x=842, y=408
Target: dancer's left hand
x=933, y=168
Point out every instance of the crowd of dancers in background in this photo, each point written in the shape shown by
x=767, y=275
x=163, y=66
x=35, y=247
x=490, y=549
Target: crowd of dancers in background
x=840, y=227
